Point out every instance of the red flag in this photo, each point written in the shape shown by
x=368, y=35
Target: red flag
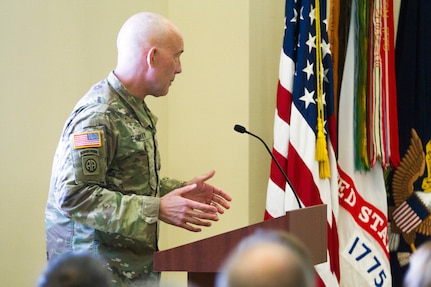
x=300, y=107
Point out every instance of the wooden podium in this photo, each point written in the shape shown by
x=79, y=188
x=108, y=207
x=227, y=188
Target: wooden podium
x=202, y=259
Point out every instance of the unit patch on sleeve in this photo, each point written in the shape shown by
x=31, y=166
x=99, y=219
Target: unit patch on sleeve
x=89, y=155
x=90, y=161
x=87, y=140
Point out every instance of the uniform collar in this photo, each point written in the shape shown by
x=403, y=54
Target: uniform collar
x=138, y=105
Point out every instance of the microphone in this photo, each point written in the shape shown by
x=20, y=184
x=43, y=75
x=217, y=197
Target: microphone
x=241, y=129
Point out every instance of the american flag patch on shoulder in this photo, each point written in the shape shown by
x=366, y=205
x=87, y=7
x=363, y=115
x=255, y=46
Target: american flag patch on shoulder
x=88, y=139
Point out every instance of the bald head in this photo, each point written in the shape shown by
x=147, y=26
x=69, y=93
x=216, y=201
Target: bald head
x=268, y=259
x=143, y=30
x=145, y=40
x=266, y=264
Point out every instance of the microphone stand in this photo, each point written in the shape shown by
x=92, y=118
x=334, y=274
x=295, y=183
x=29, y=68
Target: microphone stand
x=241, y=129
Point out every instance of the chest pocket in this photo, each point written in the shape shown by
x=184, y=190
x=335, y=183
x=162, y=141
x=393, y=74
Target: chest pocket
x=136, y=163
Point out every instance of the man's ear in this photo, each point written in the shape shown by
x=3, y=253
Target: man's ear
x=151, y=57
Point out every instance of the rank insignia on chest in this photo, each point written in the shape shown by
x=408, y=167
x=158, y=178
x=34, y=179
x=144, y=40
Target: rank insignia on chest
x=87, y=140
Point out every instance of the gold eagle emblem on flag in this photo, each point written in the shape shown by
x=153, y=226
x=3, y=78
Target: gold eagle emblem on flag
x=411, y=214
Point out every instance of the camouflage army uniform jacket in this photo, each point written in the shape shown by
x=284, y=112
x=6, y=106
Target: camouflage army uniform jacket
x=105, y=189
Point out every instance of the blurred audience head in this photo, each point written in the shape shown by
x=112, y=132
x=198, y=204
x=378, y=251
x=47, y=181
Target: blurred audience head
x=268, y=258
x=419, y=272
x=75, y=270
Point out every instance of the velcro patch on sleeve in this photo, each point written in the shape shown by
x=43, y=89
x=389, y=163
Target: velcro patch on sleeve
x=87, y=139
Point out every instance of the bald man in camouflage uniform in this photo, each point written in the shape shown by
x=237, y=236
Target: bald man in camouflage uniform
x=106, y=195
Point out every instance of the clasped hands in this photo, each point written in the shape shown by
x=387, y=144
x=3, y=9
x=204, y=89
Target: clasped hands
x=196, y=204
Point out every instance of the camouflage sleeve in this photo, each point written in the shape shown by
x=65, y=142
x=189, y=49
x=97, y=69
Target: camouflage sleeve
x=169, y=184
x=132, y=215
x=87, y=192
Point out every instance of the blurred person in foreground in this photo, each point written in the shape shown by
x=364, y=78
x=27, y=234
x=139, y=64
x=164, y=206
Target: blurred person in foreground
x=75, y=270
x=106, y=194
x=268, y=258
x=419, y=272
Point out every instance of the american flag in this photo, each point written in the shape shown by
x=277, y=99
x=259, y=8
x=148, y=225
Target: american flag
x=88, y=139
x=295, y=126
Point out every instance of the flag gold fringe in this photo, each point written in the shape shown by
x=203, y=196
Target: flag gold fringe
x=321, y=150
x=321, y=154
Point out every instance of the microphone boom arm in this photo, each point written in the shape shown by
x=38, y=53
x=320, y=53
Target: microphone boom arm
x=241, y=129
